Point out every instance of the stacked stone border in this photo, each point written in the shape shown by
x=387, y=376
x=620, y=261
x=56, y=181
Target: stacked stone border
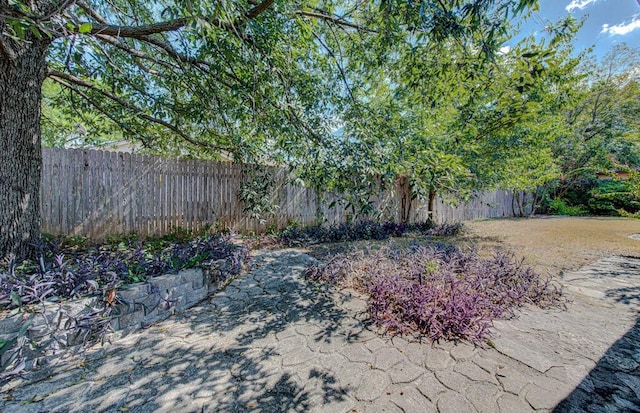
x=53, y=326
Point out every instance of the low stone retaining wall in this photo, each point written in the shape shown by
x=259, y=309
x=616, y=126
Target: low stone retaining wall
x=58, y=325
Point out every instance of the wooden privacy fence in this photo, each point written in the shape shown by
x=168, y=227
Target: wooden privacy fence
x=97, y=194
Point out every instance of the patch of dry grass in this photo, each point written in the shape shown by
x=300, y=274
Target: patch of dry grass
x=555, y=244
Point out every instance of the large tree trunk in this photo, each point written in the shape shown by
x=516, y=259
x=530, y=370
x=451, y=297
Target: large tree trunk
x=21, y=77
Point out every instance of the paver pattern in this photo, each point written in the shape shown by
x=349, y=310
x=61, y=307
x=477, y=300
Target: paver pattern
x=272, y=342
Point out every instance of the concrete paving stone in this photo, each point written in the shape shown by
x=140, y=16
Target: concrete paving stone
x=43, y=388
x=298, y=356
x=474, y=372
x=405, y=372
x=291, y=350
x=509, y=403
x=387, y=357
x=437, y=359
x=374, y=344
x=65, y=399
x=380, y=407
x=463, y=351
x=362, y=335
x=511, y=379
x=488, y=360
x=372, y=386
x=309, y=329
x=527, y=351
x=483, y=396
x=556, y=388
x=416, y=352
x=410, y=400
x=179, y=368
x=430, y=386
x=340, y=405
x=569, y=374
x=452, y=380
x=452, y=402
x=632, y=381
x=542, y=398
x=354, y=332
x=290, y=344
x=358, y=352
x=101, y=395
x=446, y=345
x=353, y=303
x=400, y=342
x=624, y=404
x=348, y=374
x=329, y=345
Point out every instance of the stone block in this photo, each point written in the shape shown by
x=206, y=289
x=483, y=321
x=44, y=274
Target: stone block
x=193, y=276
x=165, y=282
x=133, y=319
x=196, y=296
x=130, y=294
x=180, y=302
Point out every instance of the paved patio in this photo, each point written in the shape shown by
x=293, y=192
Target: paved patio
x=271, y=342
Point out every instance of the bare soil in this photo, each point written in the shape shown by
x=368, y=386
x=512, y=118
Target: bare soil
x=556, y=244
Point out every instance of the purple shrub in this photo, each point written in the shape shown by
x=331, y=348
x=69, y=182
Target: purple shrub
x=67, y=272
x=440, y=292
x=362, y=230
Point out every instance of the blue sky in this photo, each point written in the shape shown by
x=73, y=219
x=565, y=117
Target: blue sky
x=608, y=22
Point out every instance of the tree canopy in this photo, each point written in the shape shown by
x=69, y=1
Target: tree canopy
x=250, y=78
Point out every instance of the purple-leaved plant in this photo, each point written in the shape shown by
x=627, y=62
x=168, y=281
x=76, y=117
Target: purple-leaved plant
x=61, y=273
x=440, y=292
x=363, y=230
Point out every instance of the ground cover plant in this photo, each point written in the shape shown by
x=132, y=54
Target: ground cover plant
x=438, y=291
x=362, y=230
x=69, y=268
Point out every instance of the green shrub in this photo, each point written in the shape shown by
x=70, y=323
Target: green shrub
x=612, y=196
x=559, y=206
x=626, y=214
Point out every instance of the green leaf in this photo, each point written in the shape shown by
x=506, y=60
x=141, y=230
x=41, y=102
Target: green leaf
x=15, y=299
x=25, y=326
x=85, y=28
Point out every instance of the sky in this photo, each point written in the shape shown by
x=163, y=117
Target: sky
x=607, y=23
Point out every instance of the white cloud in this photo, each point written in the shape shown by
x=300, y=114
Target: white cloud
x=622, y=28
x=579, y=4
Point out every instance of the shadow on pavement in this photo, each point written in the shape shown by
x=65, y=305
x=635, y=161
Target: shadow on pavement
x=613, y=385
x=237, y=352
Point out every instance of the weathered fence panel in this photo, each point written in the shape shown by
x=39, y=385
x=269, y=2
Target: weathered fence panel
x=97, y=194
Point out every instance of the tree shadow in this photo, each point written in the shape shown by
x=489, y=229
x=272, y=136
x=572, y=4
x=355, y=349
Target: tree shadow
x=252, y=347
x=613, y=385
x=625, y=295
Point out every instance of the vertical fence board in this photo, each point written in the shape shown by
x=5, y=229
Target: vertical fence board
x=98, y=194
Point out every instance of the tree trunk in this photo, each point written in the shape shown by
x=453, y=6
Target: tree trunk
x=21, y=78
x=432, y=198
x=404, y=193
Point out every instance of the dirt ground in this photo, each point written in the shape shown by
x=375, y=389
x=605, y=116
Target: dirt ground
x=557, y=244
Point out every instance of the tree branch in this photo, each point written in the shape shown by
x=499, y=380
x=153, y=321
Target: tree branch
x=96, y=105
x=138, y=31
x=80, y=82
x=92, y=13
x=168, y=26
x=335, y=20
